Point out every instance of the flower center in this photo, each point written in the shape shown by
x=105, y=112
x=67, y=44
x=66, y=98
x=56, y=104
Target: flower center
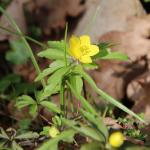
x=84, y=50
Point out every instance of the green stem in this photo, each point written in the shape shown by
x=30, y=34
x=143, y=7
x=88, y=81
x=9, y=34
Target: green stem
x=25, y=42
x=62, y=103
x=84, y=102
x=27, y=37
x=105, y=112
x=108, y=97
x=65, y=39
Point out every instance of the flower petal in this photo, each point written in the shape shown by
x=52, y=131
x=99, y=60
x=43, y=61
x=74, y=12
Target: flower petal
x=75, y=52
x=73, y=42
x=85, y=59
x=85, y=40
x=74, y=47
x=93, y=50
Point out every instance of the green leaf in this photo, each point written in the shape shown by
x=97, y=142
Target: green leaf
x=60, y=45
x=54, y=82
x=3, y=134
x=8, y=80
x=85, y=104
x=33, y=110
x=53, y=67
x=4, y=84
x=23, y=88
x=52, y=144
x=24, y=100
x=13, y=78
x=27, y=135
x=16, y=146
x=116, y=55
x=52, y=54
x=106, y=53
x=57, y=76
x=24, y=125
x=18, y=53
x=92, y=146
x=50, y=90
x=76, y=82
x=50, y=106
x=98, y=122
x=85, y=130
x=91, y=66
x=57, y=63
x=104, y=50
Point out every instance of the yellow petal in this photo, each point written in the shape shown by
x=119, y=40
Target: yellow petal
x=93, y=50
x=73, y=42
x=74, y=47
x=75, y=52
x=85, y=40
x=85, y=59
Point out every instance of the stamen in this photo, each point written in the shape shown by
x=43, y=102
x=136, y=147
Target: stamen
x=84, y=49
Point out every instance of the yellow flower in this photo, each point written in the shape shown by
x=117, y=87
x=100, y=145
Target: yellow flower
x=116, y=139
x=81, y=48
x=53, y=131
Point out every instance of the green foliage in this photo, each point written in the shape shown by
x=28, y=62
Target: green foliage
x=92, y=146
x=24, y=101
x=18, y=53
x=89, y=131
x=106, y=53
x=52, y=144
x=50, y=106
x=60, y=45
x=14, y=138
x=64, y=76
x=7, y=81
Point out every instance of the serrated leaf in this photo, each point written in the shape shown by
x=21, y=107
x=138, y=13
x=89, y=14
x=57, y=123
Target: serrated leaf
x=50, y=106
x=27, y=135
x=24, y=100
